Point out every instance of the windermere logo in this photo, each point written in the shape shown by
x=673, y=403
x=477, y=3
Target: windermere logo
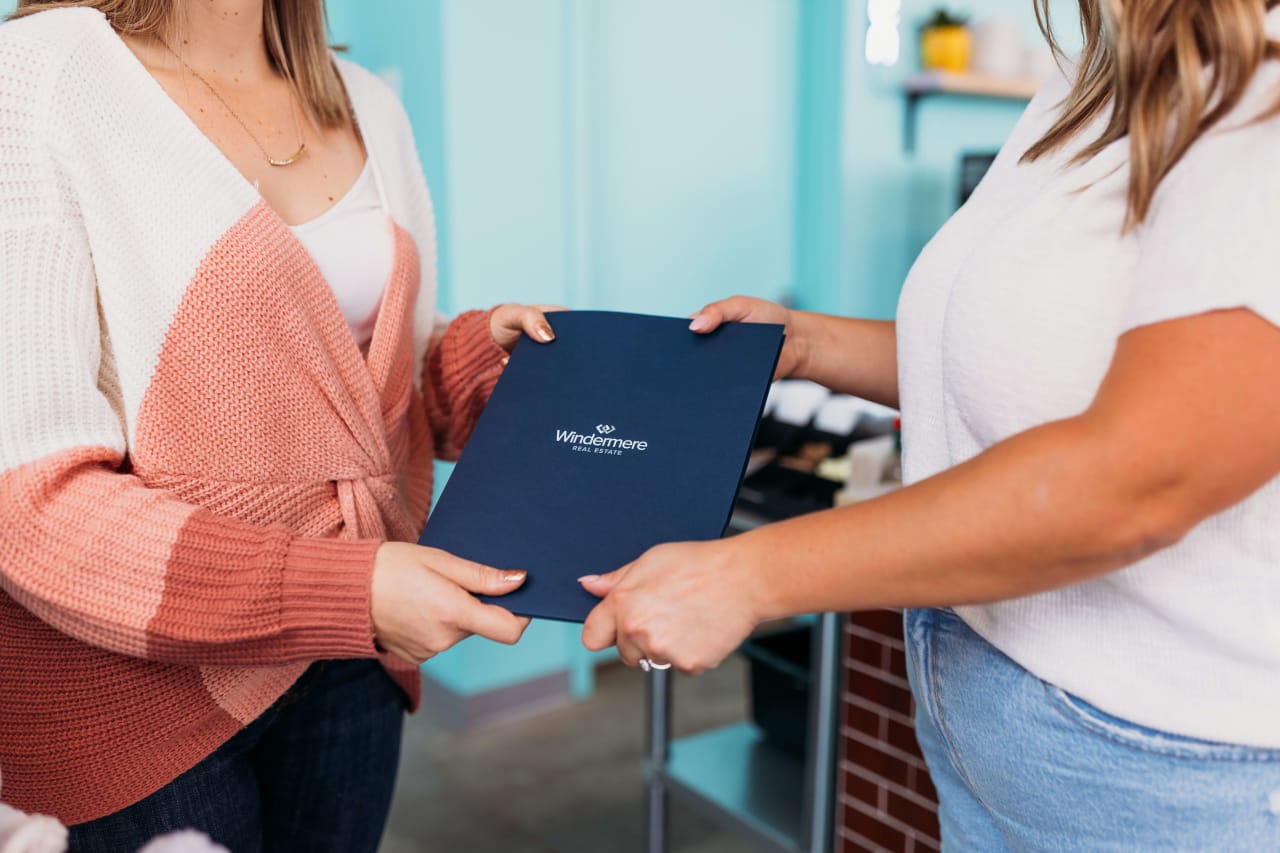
x=601, y=441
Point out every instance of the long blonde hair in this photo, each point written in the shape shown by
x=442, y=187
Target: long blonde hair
x=1172, y=69
x=295, y=33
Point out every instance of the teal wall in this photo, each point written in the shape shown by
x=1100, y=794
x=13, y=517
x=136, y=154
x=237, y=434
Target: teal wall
x=595, y=156
x=893, y=202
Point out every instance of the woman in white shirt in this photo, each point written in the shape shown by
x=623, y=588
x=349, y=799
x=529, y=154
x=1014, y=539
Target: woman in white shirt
x=1085, y=358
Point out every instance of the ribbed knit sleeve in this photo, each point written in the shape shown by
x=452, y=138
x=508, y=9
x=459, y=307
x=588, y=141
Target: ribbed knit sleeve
x=460, y=371
x=87, y=547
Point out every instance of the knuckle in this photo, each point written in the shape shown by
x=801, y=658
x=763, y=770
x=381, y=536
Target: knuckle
x=633, y=626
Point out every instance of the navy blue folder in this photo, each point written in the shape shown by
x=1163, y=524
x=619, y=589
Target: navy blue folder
x=625, y=432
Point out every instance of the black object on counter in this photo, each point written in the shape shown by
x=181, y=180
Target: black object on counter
x=780, y=666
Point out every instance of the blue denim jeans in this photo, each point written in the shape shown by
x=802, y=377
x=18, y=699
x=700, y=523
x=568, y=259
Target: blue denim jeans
x=313, y=773
x=1022, y=765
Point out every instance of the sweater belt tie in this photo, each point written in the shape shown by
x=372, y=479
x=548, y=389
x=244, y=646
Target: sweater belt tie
x=366, y=504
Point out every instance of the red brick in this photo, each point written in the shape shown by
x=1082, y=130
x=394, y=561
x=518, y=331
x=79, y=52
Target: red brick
x=859, y=788
x=928, y=845
x=897, y=662
x=887, y=622
x=923, y=785
x=874, y=829
x=861, y=632
x=854, y=843
x=892, y=696
x=882, y=764
x=913, y=814
x=902, y=737
x=862, y=719
x=868, y=651
x=850, y=842
x=876, y=708
x=847, y=744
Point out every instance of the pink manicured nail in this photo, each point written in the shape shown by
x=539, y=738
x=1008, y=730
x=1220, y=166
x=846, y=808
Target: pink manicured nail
x=699, y=323
x=544, y=332
x=506, y=360
x=588, y=579
x=512, y=577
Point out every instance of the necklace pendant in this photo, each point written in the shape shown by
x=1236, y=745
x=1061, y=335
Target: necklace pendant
x=289, y=161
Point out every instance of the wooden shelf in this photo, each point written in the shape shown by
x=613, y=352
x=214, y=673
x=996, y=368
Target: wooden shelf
x=972, y=83
x=966, y=84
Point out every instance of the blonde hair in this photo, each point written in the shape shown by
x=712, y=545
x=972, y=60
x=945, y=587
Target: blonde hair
x=294, y=31
x=1172, y=69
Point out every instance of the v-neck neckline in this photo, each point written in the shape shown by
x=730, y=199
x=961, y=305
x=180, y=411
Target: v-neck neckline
x=213, y=148
x=167, y=103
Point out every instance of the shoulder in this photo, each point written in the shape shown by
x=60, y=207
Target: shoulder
x=42, y=56
x=46, y=39
x=1234, y=168
x=1045, y=107
x=42, y=53
x=384, y=124
x=371, y=96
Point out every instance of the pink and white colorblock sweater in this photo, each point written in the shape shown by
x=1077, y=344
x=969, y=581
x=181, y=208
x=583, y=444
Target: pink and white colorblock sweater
x=196, y=461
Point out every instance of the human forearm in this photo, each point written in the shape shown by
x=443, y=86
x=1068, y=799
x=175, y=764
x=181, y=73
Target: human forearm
x=100, y=556
x=856, y=357
x=460, y=370
x=1044, y=509
x=847, y=355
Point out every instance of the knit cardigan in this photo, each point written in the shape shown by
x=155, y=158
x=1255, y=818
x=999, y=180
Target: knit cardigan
x=197, y=463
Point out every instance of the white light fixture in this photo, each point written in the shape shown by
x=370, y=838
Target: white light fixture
x=883, y=43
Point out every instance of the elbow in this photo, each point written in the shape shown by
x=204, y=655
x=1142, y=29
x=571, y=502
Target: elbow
x=1149, y=522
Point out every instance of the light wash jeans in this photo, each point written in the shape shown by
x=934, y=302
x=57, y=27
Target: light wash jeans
x=1022, y=765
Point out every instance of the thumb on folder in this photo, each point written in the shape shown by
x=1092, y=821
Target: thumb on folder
x=680, y=603
x=422, y=601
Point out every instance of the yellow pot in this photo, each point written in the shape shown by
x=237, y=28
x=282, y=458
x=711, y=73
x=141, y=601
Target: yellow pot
x=945, y=48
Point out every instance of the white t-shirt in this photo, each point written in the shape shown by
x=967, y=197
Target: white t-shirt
x=1009, y=319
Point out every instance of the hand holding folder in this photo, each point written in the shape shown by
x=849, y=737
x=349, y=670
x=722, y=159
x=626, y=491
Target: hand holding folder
x=625, y=432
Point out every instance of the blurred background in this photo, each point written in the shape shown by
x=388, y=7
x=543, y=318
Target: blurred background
x=652, y=156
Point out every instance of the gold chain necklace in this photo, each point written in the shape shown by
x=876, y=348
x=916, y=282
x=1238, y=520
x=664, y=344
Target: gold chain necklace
x=287, y=161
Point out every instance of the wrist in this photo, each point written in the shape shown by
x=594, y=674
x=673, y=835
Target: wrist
x=800, y=331
x=753, y=576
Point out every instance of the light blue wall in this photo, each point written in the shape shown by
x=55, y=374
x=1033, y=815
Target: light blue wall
x=599, y=157
x=689, y=146
x=894, y=202
x=625, y=155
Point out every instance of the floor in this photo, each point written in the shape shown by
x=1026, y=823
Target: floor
x=563, y=781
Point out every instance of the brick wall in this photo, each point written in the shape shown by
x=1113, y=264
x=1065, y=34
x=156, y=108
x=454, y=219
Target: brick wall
x=887, y=802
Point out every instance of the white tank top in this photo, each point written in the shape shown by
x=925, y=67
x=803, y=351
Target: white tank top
x=352, y=245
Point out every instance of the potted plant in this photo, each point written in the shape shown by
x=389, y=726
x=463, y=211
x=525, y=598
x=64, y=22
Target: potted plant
x=945, y=43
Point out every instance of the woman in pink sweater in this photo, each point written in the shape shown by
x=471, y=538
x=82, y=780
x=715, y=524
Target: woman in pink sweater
x=223, y=382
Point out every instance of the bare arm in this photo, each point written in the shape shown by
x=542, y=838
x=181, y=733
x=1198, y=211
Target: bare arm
x=1183, y=426
x=856, y=357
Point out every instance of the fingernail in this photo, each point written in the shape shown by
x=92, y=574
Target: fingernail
x=506, y=359
x=588, y=579
x=512, y=577
x=699, y=323
x=544, y=332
